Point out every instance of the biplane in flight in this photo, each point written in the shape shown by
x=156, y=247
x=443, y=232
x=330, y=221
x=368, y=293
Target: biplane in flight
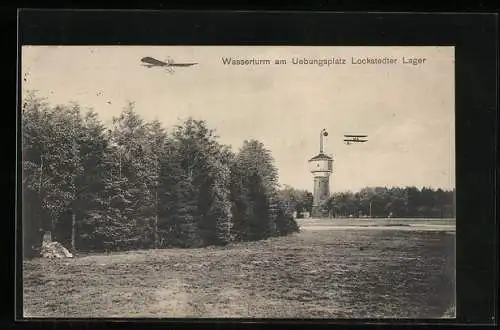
x=150, y=62
x=348, y=139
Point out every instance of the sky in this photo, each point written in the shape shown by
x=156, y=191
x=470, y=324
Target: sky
x=406, y=110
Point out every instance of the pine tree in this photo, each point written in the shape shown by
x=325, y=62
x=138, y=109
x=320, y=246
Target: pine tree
x=132, y=179
x=93, y=182
x=156, y=152
x=257, y=211
x=178, y=225
x=195, y=188
x=218, y=217
x=239, y=203
x=35, y=121
x=51, y=161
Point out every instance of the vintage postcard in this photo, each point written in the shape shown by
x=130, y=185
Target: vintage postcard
x=238, y=182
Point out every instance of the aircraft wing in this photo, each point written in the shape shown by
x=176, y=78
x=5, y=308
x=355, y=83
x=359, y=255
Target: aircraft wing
x=346, y=135
x=152, y=61
x=182, y=64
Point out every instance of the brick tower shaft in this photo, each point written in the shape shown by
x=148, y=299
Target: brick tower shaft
x=320, y=195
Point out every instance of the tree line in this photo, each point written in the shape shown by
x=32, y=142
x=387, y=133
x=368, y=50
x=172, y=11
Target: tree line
x=407, y=202
x=133, y=185
x=394, y=202
x=297, y=201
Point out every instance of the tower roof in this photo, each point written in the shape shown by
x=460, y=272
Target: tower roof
x=321, y=156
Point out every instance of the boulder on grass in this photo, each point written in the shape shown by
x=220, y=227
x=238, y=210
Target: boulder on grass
x=54, y=250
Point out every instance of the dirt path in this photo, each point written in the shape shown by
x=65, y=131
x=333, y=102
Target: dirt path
x=177, y=299
x=172, y=299
x=445, y=228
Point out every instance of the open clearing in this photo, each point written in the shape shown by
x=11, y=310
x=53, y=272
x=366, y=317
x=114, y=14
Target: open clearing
x=332, y=269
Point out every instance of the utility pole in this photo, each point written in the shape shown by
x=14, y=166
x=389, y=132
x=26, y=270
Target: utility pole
x=40, y=179
x=43, y=228
x=73, y=211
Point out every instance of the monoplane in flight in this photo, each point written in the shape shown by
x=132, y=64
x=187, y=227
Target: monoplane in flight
x=348, y=139
x=150, y=62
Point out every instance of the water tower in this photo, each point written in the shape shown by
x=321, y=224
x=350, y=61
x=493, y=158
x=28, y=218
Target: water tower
x=321, y=167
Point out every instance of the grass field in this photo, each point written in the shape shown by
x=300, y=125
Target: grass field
x=332, y=269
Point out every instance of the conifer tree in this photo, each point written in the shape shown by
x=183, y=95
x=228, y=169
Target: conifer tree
x=195, y=189
x=91, y=183
x=35, y=121
x=257, y=211
x=133, y=199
